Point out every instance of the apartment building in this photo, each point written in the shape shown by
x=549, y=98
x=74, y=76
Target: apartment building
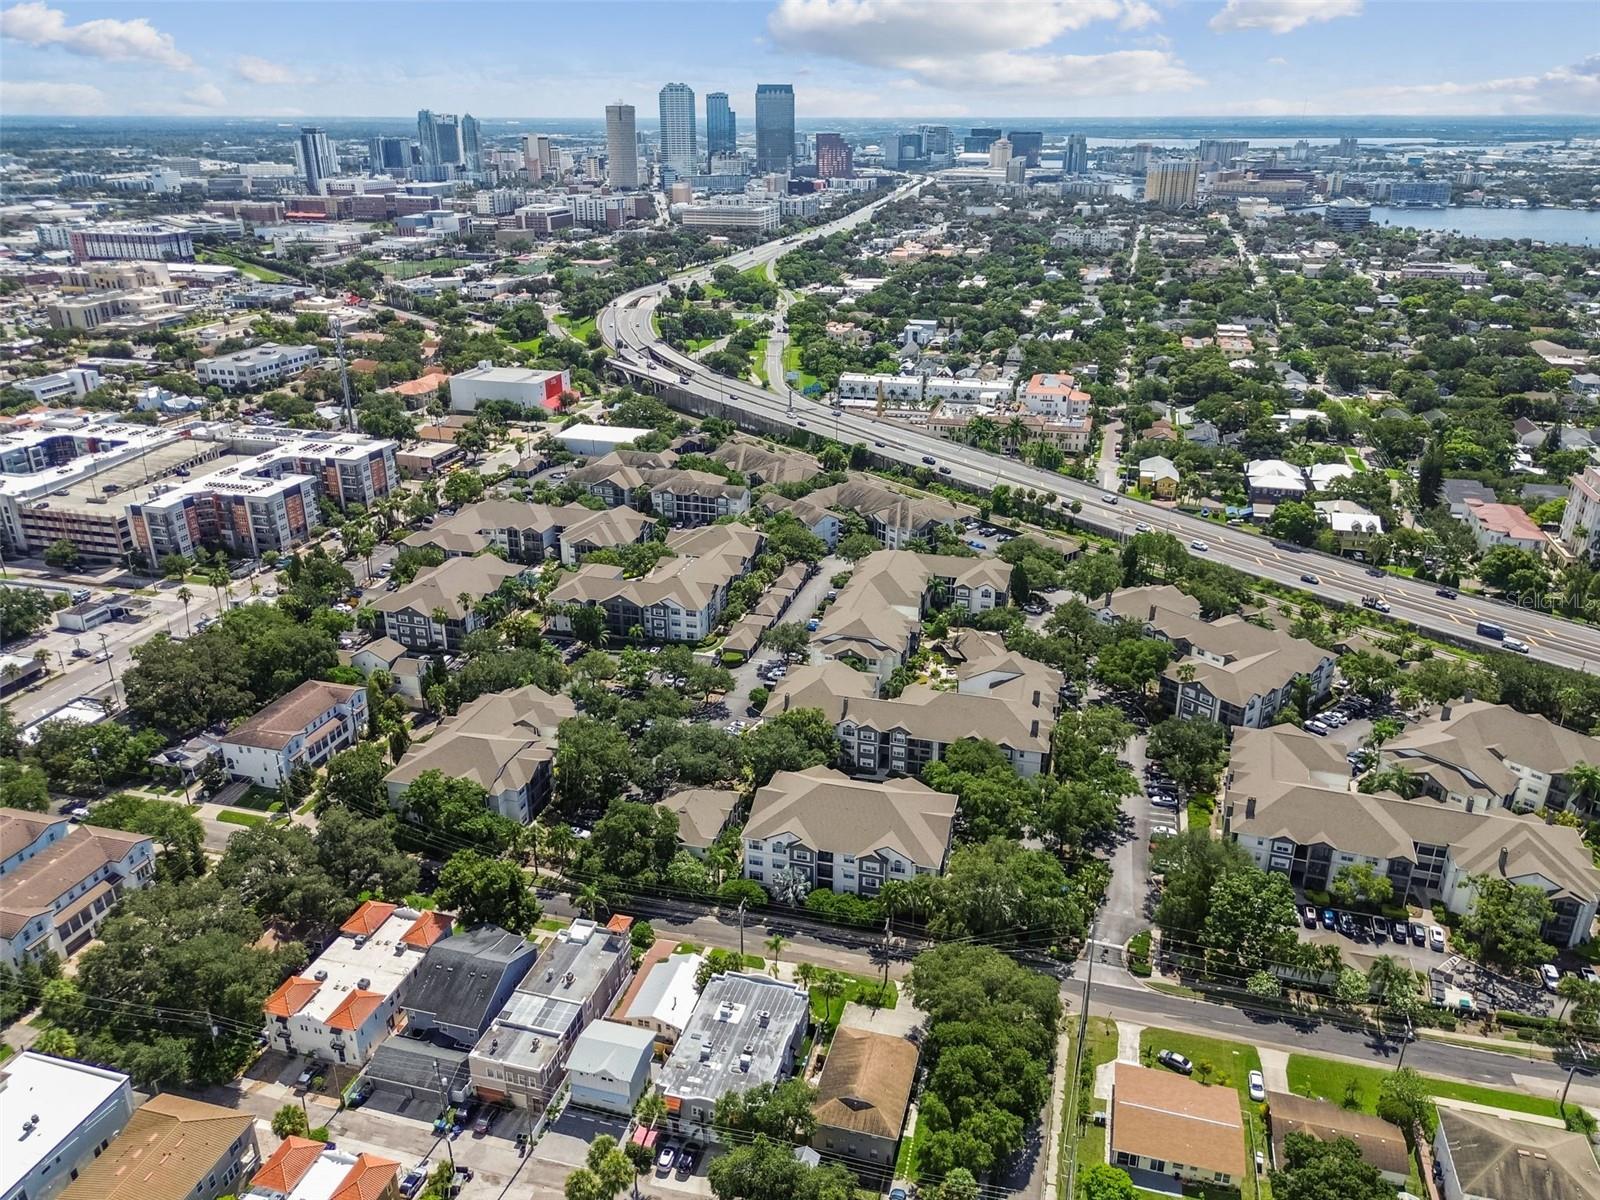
x=65, y=1112
x=441, y=606
x=350, y=468
x=306, y=727
x=847, y=835
x=1580, y=523
x=1289, y=803
x=1504, y=525
x=680, y=600
x=306, y=1169
x=1055, y=395
x=1478, y=757
x=696, y=497
x=246, y=370
x=503, y=741
x=172, y=1148
x=348, y=998
x=746, y=1030
x=532, y=533
x=761, y=464
x=249, y=514
x=893, y=518
x=61, y=882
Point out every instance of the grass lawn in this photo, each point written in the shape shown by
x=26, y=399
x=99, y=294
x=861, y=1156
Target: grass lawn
x=233, y=816
x=1220, y=1063
x=1100, y=1048
x=695, y=345
x=791, y=362
x=222, y=258
x=862, y=989
x=1332, y=1081
x=553, y=924
x=758, y=361
x=5, y=1052
x=531, y=346
x=410, y=270
x=578, y=329
x=1354, y=459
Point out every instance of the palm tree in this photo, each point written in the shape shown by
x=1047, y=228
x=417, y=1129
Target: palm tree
x=185, y=595
x=832, y=985
x=774, y=946
x=1016, y=430
x=221, y=582
x=720, y=862
x=561, y=843
x=805, y=973
x=1584, y=782
x=651, y=1109
x=589, y=899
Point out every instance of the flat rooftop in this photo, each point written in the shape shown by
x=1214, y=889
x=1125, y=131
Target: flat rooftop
x=61, y=1094
x=709, y=1059
x=383, y=960
x=530, y=1032
x=575, y=964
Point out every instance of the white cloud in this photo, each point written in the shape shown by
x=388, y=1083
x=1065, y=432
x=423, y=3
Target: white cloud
x=1277, y=60
x=1565, y=89
x=971, y=47
x=52, y=99
x=266, y=72
x=205, y=95
x=1280, y=16
x=38, y=24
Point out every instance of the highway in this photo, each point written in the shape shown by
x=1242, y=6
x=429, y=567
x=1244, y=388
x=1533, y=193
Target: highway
x=625, y=326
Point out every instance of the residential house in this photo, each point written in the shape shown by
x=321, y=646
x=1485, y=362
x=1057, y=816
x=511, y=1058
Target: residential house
x=1353, y=526
x=1273, y=479
x=306, y=1169
x=862, y=1098
x=1483, y=1156
x=63, y=1113
x=1167, y=1125
x=608, y=1067
x=441, y=606
x=61, y=882
x=304, y=728
x=703, y=815
x=348, y=998
x=665, y=998
x=1159, y=476
x=172, y=1148
x=746, y=1030
x=521, y=1057
x=503, y=741
x=848, y=835
x=1382, y=1145
x=1504, y=525
x=1457, y=492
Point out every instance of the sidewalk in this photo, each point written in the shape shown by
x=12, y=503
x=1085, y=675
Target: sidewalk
x=1058, y=1095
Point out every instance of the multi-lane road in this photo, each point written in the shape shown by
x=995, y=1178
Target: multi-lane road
x=625, y=325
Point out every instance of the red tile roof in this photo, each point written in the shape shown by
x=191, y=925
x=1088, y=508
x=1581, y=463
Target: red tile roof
x=428, y=929
x=354, y=1009
x=368, y=1178
x=369, y=918
x=288, y=1164
x=292, y=995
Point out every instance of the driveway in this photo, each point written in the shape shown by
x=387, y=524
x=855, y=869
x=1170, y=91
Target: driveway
x=805, y=602
x=1123, y=913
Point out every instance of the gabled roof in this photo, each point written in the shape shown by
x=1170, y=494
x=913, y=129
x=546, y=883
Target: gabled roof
x=1518, y=1160
x=440, y=587
x=827, y=810
x=288, y=1164
x=1156, y=1114
x=33, y=888
x=291, y=996
x=368, y=1179
x=165, y=1152
x=1381, y=1144
x=610, y=1050
x=354, y=1009
x=369, y=918
x=866, y=1083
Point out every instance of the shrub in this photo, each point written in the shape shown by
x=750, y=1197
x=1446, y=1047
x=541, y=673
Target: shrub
x=1139, y=954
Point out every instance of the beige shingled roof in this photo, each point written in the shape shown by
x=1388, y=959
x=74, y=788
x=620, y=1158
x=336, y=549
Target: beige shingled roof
x=1477, y=739
x=165, y=1152
x=1518, y=1160
x=32, y=889
x=1157, y=1114
x=828, y=810
x=1382, y=1145
x=20, y=828
x=440, y=587
x=498, y=741
x=866, y=1083
x=702, y=813
x=287, y=716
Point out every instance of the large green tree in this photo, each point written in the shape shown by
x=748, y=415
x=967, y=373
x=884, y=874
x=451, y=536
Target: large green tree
x=487, y=891
x=792, y=741
x=174, y=827
x=1318, y=1170
x=1504, y=923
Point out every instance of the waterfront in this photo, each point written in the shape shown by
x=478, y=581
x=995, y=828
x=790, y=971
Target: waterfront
x=1568, y=226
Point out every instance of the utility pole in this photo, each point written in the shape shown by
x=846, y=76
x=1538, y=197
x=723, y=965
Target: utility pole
x=1407, y=1041
x=1583, y=1061
x=344, y=373
x=1069, y=1128
x=741, y=931
x=444, y=1104
x=110, y=674
x=886, y=942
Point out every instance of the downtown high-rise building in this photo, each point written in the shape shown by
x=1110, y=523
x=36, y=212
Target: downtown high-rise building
x=389, y=154
x=471, y=144
x=314, y=158
x=1000, y=154
x=439, y=138
x=1026, y=144
x=722, y=126
x=1221, y=152
x=937, y=140
x=1075, y=158
x=622, y=147
x=834, y=157
x=980, y=139
x=679, y=146
x=1348, y=147
x=537, y=157
x=774, y=127
x=1170, y=182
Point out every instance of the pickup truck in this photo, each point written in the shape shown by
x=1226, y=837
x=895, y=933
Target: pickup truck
x=1375, y=602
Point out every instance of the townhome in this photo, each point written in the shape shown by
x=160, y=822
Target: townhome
x=463, y=982
x=695, y=497
x=746, y=1030
x=172, y=1148
x=1289, y=804
x=680, y=600
x=306, y=1169
x=503, y=741
x=59, y=882
x=1478, y=757
x=847, y=835
x=440, y=607
x=347, y=1000
x=304, y=728
x=63, y=1114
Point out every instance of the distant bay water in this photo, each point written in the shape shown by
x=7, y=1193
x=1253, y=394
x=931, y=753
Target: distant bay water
x=1568, y=226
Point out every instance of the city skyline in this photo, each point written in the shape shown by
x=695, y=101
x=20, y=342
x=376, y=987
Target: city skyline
x=889, y=58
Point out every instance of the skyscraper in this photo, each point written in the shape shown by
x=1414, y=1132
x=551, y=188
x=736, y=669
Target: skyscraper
x=1075, y=160
x=1141, y=156
x=679, y=151
x=471, y=147
x=937, y=140
x=722, y=128
x=980, y=139
x=1221, y=151
x=622, y=147
x=536, y=156
x=389, y=154
x=834, y=157
x=439, y=135
x=1170, y=182
x=314, y=158
x=774, y=127
x=1026, y=144
x=999, y=154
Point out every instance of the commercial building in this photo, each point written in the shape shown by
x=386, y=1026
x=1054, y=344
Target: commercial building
x=1504, y=525
x=154, y=241
x=62, y=1114
x=1483, y=1156
x=1026, y=144
x=1465, y=274
x=1170, y=182
x=597, y=440
x=847, y=835
x=608, y=1068
x=521, y=1057
x=521, y=386
x=347, y=999
x=1382, y=1145
x=1168, y=1125
x=761, y=216
x=172, y=1148
x=1288, y=803
x=1075, y=157
x=746, y=1030
x=664, y=1000
x=62, y=881
x=314, y=158
x=1347, y=214
x=70, y=384
x=722, y=128
x=246, y=370
x=834, y=157
x=679, y=153
x=622, y=147
x=862, y=1098
x=306, y=1169
x=774, y=127
x=443, y=604
x=503, y=741
x=304, y=728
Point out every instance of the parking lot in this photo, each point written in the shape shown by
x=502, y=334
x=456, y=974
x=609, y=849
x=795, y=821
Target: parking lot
x=568, y=1138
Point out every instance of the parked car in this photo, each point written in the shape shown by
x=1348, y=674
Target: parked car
x=412, y=1183
x=1436, y=938
x=1317, y=727
x=1258, y=1086
x=1172, y=1060
x=1327, y=918
x=667, y=1156
x=481, y=1125
x=1401, y=931
x=688, y=1159
x=1419, y=936
x=1550, y=976
x=1311, y=916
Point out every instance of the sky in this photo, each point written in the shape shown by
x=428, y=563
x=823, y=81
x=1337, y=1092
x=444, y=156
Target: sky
x=846, y=58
